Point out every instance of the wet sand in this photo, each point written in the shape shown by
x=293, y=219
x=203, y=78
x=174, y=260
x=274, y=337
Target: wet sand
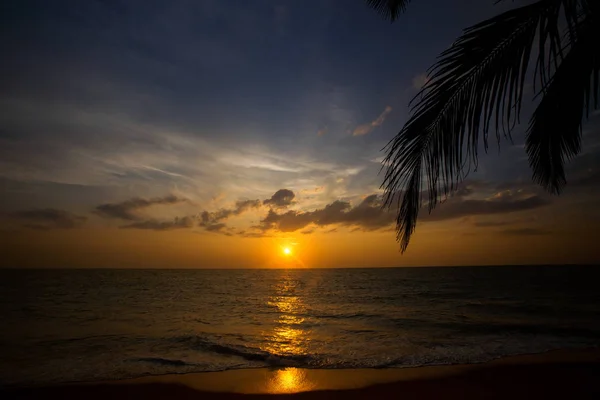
x=569, y=374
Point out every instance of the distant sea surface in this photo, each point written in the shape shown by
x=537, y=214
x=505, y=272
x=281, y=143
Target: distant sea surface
x=85, y=325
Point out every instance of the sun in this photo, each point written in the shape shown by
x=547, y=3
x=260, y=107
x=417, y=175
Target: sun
x=287, y=251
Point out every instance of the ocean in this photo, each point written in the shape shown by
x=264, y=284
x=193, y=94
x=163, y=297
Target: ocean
x=86, y=325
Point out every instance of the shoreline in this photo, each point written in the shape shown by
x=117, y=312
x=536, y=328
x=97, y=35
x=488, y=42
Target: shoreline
x=567, y=372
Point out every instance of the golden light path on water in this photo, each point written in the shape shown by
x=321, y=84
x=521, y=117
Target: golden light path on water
x=288, y=338
x=290, y=380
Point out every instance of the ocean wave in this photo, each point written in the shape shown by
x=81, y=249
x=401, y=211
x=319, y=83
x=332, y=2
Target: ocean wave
x=346, y=316
x=325, y=316
x=245, y=352
x=164, y=362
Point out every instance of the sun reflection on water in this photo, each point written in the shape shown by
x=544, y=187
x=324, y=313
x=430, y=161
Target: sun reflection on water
x=288, y=338
x=289, y=380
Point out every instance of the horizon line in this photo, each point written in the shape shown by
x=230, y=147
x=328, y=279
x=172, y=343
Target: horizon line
x=293, y=268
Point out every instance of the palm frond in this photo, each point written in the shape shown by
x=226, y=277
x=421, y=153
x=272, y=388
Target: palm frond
x=389, y=9
x=555, y=128
x=479, y=80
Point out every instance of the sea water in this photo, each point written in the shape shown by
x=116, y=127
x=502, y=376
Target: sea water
x=85, y=325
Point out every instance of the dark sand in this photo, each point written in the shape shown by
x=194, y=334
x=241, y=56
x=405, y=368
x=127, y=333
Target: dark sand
x=568, y=374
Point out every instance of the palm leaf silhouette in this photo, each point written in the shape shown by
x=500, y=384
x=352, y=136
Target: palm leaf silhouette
x=477, y=86
x=389, y=8
x=555, y=127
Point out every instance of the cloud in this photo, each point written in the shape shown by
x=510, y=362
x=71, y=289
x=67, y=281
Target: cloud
x=210, y=218
x=488, y=224
x=152, y=224
x=586, y=180
x=367, y=128
x=288, y=222
x=512, y=221
x=128, y=210
x=318, y=189
x=245, y=205
x=281, y=198
x=215, y=227
x=322, y=131
x=419, y=81
x=213, y=221
x=500, y=203
x=367, y=215
x=49, y=218
x=526, y=232
x=254, y=234
x=468, y=200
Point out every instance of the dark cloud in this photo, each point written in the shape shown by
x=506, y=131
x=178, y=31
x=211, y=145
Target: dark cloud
x=25, y=195
x=245, y=205
x=526, y=185
x=367, y=215
x=215, y=227
x=128, y=210
x=252, y=233
x=526, y=232
x=49, y=218
x=152, y=224
x=211, y=221
x=488, y=224
x=281, y=198
x=491, y=224
x=207, y=218
x=287, y=222
x=585, y=180
x=501, y=203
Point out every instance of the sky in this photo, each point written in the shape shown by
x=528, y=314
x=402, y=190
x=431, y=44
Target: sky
x=216, y=133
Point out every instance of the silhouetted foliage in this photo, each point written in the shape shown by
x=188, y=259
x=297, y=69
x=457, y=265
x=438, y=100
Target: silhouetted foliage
x=389, y=8
x=477, y=86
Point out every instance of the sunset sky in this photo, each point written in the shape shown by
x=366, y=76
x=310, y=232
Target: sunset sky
x=215, y=133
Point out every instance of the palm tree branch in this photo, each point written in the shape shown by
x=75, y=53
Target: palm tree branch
x=479, y=78
x=554, y=131
x=389, y=9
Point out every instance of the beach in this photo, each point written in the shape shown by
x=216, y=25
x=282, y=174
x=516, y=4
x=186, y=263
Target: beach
x=571, y=374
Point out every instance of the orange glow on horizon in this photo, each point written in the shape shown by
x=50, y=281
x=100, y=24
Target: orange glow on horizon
x=98, y=247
